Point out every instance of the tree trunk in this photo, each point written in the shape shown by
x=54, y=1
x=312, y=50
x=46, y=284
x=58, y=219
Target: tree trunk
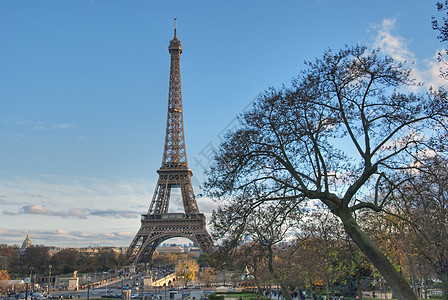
x=260, y=290
x=412, y=273
x=424, y=273
x=401, y=288
x=444, y=278
x=285, y=291
x=358, y=286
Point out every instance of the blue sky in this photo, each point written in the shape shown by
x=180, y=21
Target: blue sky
x=84, y=90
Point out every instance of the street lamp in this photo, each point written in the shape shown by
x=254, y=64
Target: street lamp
x=142, y=286
x=88, y=287
x=49, y=279
x=122, y=278
x=31, y=279
x=105, y=284
x=27, y=281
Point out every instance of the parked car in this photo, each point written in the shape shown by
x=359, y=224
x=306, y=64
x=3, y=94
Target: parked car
x=21, y=296
x=38, y=296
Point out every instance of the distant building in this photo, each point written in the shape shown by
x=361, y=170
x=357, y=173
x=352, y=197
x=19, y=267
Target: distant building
x=67, y=282
x=171, y=249
x=26, y=244
x=3, y=262
x=94, y=250
x=196, y=251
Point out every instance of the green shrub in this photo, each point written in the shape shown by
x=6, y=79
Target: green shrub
x=216, y=297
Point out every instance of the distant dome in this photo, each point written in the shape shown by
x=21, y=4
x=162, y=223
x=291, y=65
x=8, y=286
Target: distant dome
x=26, y=244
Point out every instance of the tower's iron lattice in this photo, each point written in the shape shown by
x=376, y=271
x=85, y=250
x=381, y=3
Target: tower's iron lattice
x=157, y=224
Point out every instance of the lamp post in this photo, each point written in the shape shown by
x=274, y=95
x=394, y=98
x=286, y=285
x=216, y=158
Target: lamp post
x=142, y=286
x=122, y=279
x=105, y=284
x=31, y=279
x=49, y=279
x=88, y=287
x=27, y=281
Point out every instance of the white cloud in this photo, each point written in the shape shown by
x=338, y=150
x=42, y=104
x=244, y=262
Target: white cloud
x=62, y=126
x=17, y=130
x=76, y=211
x=4, y=232
x=9, y=213
x=206, y=205
x=394, y=45
x=72, y=204
x=125, y=234
x=65, y=238
x=36, y=209
x=433, y=71
x=107, y=234
x=44, y=126
x=82, y=234
x=397, y=47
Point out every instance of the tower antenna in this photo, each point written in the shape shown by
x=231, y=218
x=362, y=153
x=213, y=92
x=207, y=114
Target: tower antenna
x=175, y=27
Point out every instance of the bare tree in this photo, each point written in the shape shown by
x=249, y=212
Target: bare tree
x=249, y=257
x=425, y=205
x=442, y=28
x=335, y=257
x=346, y=123
x=266, y=225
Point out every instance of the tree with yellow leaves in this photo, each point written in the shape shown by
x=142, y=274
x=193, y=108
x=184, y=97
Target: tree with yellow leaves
x=187, y=270
x=4, y=277
x=207, y=275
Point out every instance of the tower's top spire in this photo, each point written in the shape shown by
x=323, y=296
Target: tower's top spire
x=175, y=42
x=175, y=27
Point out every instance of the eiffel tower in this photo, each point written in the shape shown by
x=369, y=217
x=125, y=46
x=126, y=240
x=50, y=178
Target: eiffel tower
x=157, y=224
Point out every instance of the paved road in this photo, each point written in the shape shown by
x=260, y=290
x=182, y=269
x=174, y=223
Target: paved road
x=114, y=289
